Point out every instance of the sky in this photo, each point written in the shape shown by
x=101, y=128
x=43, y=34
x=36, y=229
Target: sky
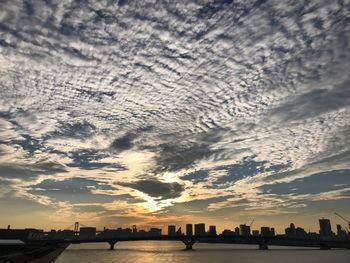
x=114, y=113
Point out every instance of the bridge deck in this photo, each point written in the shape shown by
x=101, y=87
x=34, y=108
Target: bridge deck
x=250, y=240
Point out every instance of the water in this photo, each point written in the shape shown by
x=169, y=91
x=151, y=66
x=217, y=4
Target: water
x=173, y=251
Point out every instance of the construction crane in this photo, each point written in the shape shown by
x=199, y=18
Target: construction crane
x=251, y=223
x=346, y=220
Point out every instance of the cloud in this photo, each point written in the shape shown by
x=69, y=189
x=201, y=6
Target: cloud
x=157, y=189
x=21, y=207
x=30, y=171
x=196, y=206
x=247, y=167
x=88, y=208
x=80, y=130
x=72, y=185
x=184, y=152
x=77, y=190
x=127, y=141
x=196, y=176
x=315, y=102
x=178, y=100
x=124, y=143
x=91, y=159
x=313, y=184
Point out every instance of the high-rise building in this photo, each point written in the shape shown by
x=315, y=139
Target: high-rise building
x=171, y=230
x=325, y=227
x=179, y=232
x=255, y=233
x=236, y=231
x=290, y=231
x=189, y=229
x=212, y=230
x=273, y=232
x=199, y=229
x=244, y=230
x=265, y=231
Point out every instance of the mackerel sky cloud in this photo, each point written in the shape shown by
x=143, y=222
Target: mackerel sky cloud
x=119, y=112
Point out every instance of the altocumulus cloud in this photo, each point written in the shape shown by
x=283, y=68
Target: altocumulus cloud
x=213, y=101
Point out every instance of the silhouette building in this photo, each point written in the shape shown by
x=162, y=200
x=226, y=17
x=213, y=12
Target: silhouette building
x=171, y=230
x=290, y=231
x=265, y=231
x=155, y=232
x=228, y=232
x=87, y=232
x=212, y=230
x=340, y=231
x=189, y=230
x=179, y=232
x=244, y=230
x=255, y=233
x=325, y=227
x=22, y=234
x=300, y=232
x=273, y=232
x=199, y=229
x=236, y=231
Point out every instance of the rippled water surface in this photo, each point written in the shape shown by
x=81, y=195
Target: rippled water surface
x=173, y=251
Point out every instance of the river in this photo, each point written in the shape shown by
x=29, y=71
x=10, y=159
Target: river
x=173, y=251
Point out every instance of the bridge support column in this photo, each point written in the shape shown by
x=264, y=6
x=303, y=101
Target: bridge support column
x=189, y=247
x=263, y=246
x=112, y=243
x=189, y=243
x=324, y=247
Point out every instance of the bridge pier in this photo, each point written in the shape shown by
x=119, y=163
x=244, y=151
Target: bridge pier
x=112, y=243
x=189, y=243
x=263, y=246
x=324, y=247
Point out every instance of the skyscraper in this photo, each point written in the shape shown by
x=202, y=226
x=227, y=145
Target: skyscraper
x=171, y=230
x=325, y=227
x=236, y=231
x=212, y=230
x=273, y=232
x=178, y=232
x=244, y=230
x=290, y=231
x=189, y=230
x=199, y=229
x=265, y=231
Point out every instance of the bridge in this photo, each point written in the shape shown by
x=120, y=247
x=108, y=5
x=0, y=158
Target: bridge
x=262, y=242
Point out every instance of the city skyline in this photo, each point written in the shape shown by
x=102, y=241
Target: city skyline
x=55, y=241
x=332, y=228
x=148, y=113
x=190, y=230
